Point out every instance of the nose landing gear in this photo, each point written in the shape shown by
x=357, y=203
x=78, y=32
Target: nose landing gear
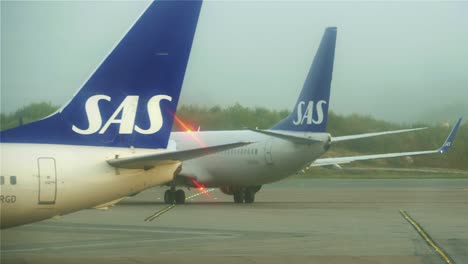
x=172, y=196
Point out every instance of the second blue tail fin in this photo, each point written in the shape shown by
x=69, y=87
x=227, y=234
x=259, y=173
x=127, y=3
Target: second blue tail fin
x=310, y=113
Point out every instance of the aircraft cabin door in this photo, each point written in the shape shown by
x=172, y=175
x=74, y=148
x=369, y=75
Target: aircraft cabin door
x=47, y=180
x=267, y=150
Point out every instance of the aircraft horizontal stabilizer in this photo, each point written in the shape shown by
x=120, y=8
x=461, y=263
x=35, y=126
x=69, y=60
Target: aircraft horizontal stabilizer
x=285, y=136
x=147, y=162
x=341, y=160
x=366, y=135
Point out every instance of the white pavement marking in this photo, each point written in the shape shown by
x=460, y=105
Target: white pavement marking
x=108, y=244
x=130, y=230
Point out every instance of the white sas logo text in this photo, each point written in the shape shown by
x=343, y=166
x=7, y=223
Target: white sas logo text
x=307, y=114
x=128, y=109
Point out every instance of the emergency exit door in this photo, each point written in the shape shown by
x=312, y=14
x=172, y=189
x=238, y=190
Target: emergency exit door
x=47, y=180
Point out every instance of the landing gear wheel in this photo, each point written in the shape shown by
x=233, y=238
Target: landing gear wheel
x=180, y=197
x=249, y=195
x=169, y=197
x=239, y=197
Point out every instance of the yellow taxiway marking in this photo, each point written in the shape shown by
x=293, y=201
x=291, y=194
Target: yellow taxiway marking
x=160, y=212
x=426, y=237
x=466, y=189
x=168, y=208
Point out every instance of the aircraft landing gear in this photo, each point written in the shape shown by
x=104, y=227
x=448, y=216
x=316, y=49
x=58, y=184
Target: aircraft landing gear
x=180, y=197
x=169, y=197
x=249, y=196
x=238, y=196
x=172, y=196
x=246, y=195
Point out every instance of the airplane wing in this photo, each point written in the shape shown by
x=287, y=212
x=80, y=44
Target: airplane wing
x=340, y=160
x=148, y=161
x=304, y=140
x=349, y=137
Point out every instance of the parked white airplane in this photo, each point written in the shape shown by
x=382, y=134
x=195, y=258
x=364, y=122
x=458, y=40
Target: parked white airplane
x=283, y=150
x=112, y=139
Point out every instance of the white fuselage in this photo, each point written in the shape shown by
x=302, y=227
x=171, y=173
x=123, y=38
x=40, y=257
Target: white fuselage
x=267, y=160
x=55, y=180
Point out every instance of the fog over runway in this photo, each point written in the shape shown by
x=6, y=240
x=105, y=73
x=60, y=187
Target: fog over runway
x=294, y=221
x=399, y=61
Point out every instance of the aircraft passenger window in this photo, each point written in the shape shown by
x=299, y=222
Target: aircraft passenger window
x=256, y=151
x=2, y=180
x=13, y=180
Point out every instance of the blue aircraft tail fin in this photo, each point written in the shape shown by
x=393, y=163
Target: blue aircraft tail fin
x=310, y=113
x=130, y=98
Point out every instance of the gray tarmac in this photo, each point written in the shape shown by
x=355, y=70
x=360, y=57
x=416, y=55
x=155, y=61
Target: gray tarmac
x=293, y=221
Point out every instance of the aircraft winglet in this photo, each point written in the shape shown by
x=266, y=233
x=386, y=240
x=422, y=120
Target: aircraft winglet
x=449, y=141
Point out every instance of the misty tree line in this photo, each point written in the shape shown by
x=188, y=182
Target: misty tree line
x=239, y=117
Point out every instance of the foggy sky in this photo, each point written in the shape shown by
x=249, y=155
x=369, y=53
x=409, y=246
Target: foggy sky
x=394, y=60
